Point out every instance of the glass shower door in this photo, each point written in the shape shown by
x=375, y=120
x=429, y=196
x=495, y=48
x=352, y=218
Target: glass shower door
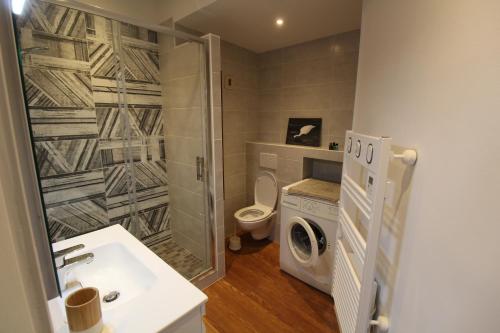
x=182, y=69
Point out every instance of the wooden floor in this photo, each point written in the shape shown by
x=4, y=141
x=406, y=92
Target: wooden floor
x=255, y=296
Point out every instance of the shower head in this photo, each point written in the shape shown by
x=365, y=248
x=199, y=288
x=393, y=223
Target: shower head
x=29, y=50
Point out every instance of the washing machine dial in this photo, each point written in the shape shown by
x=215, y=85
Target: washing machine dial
x=310, y=206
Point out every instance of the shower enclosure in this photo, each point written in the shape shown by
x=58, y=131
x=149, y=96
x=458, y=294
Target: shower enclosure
x=120, y=129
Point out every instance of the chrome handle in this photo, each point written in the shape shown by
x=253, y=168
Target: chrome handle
x=68, y=250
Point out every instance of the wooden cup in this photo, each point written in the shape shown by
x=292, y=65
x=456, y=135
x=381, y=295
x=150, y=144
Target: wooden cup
x=83, y=310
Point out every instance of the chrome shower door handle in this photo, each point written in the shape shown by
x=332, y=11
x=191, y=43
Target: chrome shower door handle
x=200, y=167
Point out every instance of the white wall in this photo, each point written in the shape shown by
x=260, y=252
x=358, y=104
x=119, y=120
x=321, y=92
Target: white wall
x=429, y=76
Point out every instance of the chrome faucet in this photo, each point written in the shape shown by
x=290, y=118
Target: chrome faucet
x=64, y=265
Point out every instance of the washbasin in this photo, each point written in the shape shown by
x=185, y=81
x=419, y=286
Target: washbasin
x=114, y=269
x=153, y=296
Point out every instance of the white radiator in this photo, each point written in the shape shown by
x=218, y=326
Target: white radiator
x=364, y=178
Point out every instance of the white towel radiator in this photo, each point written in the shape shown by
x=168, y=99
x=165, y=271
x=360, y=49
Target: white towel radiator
x=366, y=158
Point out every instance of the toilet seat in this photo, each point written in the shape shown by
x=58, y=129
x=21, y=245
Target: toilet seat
x=255, y=213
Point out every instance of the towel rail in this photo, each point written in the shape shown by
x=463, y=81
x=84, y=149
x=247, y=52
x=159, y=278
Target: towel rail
x=354, y=294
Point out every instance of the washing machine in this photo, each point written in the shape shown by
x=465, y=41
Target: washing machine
x=308, y=229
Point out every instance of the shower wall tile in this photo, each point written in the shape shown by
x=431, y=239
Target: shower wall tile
x=188, y=122
x=141, y=64
x=74, y=218
x=130, y=31
x=71, y=188
x=183, y=92
x=58, y=20
x=63, y=124
x=183, y=149
x=144, y=122
x=148, y=175
x=66, y=156
x=98, y=29
x=149, y=149
x=70, y=68
x=153, y=198
x=154, y=225
x=36, y=59
x=156, y=220
x=138, y=94
x=50, y=46
x=102, y=60
x=57, y=88
x=180, y=174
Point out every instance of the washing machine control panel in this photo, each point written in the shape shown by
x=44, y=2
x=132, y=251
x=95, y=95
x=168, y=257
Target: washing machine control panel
x=311, y=206
x=320, y=209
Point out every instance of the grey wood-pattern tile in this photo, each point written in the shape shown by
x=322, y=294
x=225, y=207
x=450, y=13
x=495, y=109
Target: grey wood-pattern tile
x=147, y=174
x=144, y=122
x=141, y=64
x=77, y=217
x=145, y=95
x=57, y=88
x=53, y=46
x=143, y=149
x=63, y=124
x=70, y=67
x=54, y=19
x=66, y=156
x=152, y=198
x=154, y=224
x=75, y=187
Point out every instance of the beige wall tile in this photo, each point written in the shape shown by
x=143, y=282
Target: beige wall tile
x=234, y=143
x=183, y=175
x=183, y=61
x=183, y=92
x=190, y=203
x=231, y=205
x=235, y=185
x=317, y=79
x=234, y=164
x=184, y=122
x=183, y=149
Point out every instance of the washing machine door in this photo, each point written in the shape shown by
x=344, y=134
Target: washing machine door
x=306, y=241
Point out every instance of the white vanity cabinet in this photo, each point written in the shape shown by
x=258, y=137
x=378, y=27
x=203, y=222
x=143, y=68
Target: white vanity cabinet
x=192, y=322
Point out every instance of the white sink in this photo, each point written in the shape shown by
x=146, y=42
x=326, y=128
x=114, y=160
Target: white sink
x=152, y=294
x=114, y=268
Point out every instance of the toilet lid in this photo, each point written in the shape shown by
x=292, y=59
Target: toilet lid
x=266, y=190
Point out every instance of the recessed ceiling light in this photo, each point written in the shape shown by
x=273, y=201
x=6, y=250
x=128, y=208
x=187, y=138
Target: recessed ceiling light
x=17, y=6
x=279, y=22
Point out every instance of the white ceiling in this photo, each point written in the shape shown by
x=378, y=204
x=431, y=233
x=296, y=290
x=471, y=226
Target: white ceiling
x=251, y=23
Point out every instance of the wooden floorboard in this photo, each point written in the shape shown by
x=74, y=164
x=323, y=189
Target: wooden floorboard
x=256, y=296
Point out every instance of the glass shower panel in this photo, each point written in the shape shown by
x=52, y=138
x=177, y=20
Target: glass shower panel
x=120, y=130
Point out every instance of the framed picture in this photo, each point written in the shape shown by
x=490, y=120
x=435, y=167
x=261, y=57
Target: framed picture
x=304, y=132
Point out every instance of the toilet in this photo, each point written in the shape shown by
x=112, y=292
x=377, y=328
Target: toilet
x=257, y=219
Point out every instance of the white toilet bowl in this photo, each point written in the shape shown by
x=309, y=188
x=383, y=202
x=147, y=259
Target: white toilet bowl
x=257, y=219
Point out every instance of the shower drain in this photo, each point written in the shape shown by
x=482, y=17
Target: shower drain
x=111, y=296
